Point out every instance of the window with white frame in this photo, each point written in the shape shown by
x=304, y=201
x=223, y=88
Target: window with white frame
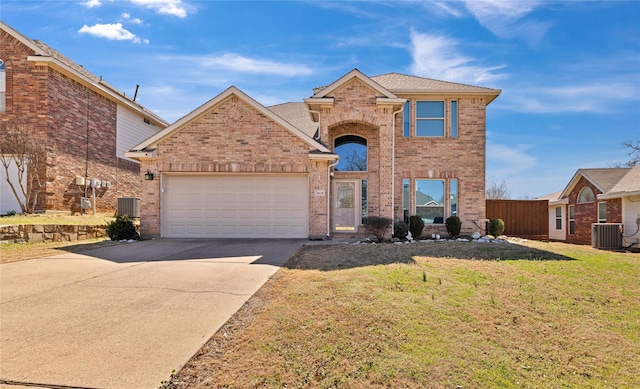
x=406, y=199
x=602, y=212
x=454, y=119
x=558, y=218
x=406, y=113
x=586, y=196
x=572, y=220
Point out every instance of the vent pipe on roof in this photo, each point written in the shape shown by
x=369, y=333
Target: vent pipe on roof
x=136, y=92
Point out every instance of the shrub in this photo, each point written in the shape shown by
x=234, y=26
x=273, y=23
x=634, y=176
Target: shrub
x=122, y=228
x=377, y=226
x=416, y=225
x=401, y=229
x=454, y=225
x=496, y=227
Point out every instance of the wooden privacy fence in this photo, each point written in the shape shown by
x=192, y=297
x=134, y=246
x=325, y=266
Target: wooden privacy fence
x=528, y=219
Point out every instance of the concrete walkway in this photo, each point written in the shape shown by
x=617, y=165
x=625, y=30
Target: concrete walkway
x=124, y=316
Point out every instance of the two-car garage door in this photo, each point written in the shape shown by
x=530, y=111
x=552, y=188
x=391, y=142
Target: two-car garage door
x=235, y=206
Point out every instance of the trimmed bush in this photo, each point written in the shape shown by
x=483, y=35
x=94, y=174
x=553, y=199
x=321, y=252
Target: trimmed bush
x=416, y=225
x=454, y=225
x=401, y=229
x=377, y=226
x=496, y=227
x=122, y=228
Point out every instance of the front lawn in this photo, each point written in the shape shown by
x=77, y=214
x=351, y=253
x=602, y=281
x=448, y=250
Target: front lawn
x=425, y=315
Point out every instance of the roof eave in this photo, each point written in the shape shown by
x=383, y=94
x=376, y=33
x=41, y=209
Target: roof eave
x=616, y=195
x=139, y=155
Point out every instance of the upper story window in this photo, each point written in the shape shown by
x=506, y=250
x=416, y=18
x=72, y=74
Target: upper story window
x=352, y=150
x=586, y=196
x=430, y=118
x=407, y=119
x=3, y=86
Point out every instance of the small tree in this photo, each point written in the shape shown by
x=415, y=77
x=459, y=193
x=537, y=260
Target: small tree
x=497, y=190
x=496, y=227
x=377, y=226
x=20, y=147
x=121, y=228
x=454, y=225
x=416, y=225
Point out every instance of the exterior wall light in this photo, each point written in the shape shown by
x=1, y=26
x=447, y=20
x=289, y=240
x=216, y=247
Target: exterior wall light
x=148, y=176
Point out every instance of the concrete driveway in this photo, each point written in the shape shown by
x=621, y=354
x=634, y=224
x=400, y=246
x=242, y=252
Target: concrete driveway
x=124, y=316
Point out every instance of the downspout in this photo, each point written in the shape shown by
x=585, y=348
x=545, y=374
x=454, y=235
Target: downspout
x=393, y=169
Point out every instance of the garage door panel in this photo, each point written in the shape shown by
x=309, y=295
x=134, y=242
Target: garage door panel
x=235, y=206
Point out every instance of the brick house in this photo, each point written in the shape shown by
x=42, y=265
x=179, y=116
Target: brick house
x=392, y=145
x=607, y=195
x=86, y=125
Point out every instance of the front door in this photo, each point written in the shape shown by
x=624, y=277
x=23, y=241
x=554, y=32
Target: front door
x=346, y=205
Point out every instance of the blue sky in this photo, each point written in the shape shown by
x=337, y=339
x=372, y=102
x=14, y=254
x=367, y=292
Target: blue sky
x=569, y=71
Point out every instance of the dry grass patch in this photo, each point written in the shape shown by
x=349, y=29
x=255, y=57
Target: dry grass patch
x=423, y=315
x=99, y=219
x=15, y=252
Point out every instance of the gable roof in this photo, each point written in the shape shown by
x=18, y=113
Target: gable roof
x=604, y=179
x=629, y=185
x=48, y=56
x=355, y=73
x=405, y=84
x=143, y=149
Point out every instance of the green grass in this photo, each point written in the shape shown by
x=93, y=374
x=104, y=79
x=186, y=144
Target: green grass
x=422, y=316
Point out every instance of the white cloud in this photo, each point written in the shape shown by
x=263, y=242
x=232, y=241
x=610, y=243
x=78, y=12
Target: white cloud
x=91, y=3
x=240, y=64
x=503, y=18
x=167, y=7
x=505, y=161
x=437, y=56
x=595, y=98
x=111, y=32
x=128, y=17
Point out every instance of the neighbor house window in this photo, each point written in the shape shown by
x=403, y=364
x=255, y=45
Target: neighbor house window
x=586, y=196
x=602, y=212
x=352, y=150
x=430, y=201
x=454, y=119
x=406, y=198
x=430, y=118
x=572, y=220
x=407, y=120
x=453, y=197
x=3, y=86
x=558, y=218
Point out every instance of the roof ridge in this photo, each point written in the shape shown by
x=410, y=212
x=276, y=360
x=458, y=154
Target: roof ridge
x=431, y=79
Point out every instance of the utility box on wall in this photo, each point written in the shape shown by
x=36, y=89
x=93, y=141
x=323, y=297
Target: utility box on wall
x=129, y=206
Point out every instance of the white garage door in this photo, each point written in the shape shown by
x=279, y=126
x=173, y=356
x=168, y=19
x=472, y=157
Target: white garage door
x=235, y=206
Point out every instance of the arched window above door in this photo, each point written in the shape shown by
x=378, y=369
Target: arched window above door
x=352, y=150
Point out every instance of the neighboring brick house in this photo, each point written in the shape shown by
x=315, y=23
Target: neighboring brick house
x=86, y=124
x=392, y=145
x=607, y=195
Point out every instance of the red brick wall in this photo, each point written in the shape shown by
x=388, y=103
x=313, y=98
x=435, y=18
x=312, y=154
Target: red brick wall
x=233, y=137
x=584, y=214
x=74, y=119
x=614, y=211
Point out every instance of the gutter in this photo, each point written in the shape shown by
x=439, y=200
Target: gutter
x=393, y=168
